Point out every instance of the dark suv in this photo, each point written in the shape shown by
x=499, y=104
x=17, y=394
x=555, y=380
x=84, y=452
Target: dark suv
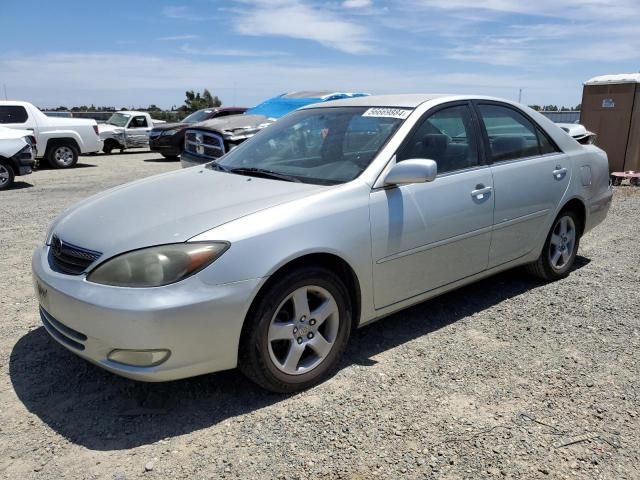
x=168, y=138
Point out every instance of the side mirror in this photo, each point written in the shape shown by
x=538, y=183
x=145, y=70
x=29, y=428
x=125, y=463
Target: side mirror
x=415, y=170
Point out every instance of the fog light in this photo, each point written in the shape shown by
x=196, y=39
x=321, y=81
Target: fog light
x=139, y=358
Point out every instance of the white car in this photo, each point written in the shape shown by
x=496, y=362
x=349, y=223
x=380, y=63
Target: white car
x=17, y=155
x=578, y=132
x=336, y=215
x=127, y=129
x=59, y=140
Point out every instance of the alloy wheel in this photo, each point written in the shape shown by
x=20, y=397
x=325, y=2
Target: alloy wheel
x=4, y=176
x=303, y=330
x=63, y=155
x=562, y=243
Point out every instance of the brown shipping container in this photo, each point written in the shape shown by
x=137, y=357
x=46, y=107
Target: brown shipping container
x=611, y=109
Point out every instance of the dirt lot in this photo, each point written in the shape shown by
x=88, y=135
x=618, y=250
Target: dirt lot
x=506, y=378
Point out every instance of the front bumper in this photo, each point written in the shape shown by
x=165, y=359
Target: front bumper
x=199, y=323
x=166, y=144
x=25, y=160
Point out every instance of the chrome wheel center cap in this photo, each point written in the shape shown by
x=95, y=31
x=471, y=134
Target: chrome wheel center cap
x=303, y=330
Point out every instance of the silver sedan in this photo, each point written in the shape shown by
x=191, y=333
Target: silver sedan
x=335, y=216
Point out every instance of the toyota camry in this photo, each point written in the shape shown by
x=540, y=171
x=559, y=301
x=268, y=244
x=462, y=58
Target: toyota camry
x=337, y=215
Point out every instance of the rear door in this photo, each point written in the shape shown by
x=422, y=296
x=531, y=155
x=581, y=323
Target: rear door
x=427, y=235
x=530, y=177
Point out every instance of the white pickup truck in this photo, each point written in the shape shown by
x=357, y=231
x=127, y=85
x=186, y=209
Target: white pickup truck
x=59, y=140
x=126, y=129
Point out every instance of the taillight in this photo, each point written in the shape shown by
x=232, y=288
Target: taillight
x=95, y=129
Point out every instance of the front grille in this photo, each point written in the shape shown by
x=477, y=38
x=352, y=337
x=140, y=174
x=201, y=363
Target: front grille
x=65, y=335
x=204, y=144
x=70, y=259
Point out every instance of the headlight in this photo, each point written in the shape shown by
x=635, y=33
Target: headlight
x=170, y=132
x=157, y=266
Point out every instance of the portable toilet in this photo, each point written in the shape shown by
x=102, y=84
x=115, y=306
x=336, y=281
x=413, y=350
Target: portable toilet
x=611, y=109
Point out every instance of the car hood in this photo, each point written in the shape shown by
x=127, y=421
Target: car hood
x=235, y=126
x=170, y=208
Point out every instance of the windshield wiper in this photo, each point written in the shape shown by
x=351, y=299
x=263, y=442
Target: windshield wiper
x=216, y=166
x=261, y=172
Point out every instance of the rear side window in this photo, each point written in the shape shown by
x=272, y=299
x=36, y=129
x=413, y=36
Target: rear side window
x=546, y=146
x=13, y=114
x=511, y=134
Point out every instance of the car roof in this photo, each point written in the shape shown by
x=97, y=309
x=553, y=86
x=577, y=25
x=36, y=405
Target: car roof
x=131, y=112
x=406, y=100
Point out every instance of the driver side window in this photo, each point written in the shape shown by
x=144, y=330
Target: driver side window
x=138, y=122
x=447, y=137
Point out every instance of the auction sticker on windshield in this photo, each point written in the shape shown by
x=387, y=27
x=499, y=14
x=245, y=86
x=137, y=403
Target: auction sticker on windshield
x=401, y=113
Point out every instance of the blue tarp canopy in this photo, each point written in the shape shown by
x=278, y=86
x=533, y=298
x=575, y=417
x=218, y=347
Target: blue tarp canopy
x=279, y=106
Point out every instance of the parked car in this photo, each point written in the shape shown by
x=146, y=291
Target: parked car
x=578, y=132
x=127, y=129
x=211, y=139
x=335, y=216
x=168, y=139
x=17, y=155
x=59, y=140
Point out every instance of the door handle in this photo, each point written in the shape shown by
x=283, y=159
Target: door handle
x=559, y=172
x=480, y=191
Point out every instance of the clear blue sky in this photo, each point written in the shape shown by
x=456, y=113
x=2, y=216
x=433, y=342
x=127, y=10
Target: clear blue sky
x=133, y=53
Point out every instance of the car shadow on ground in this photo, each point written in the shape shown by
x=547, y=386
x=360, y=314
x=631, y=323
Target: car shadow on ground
x=162, y=160
x=101, y=411
x=45, y=166
x=20, y=185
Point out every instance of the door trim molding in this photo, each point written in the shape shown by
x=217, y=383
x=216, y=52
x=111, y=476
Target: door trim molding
x=439, y=243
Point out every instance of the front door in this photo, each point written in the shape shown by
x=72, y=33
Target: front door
x=530, y=177
x=137, y=132
x=428, y=235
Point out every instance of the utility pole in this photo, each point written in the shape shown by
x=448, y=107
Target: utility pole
x=520, y=96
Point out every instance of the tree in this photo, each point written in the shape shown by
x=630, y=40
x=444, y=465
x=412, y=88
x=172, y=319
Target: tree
x=194, y=101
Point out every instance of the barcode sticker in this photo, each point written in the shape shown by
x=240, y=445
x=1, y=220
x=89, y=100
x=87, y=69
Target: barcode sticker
x=401, y=113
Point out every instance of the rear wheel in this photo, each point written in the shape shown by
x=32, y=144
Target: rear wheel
x=7, y=175
x=560, y=248
x=295, y=334
x=63, y=155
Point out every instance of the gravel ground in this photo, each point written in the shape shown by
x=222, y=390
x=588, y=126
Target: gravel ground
x=505, y=378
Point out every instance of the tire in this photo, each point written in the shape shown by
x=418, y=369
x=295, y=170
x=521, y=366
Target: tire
x=109, y=145
x=7, y=175
x=560, y=248
x=277, y=329
x=171, y=157
x=63, y=155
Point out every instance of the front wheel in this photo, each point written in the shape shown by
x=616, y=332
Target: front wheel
x=170, y=157
x=295, y=334
x=63, y=156
x=560, y=248
x=7, y=175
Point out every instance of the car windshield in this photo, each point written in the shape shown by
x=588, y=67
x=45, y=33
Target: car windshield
x=198, y=116
x=324, y=146
x=118, y=119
